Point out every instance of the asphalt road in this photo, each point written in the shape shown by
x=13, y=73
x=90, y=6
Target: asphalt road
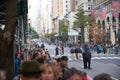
x=101, y=63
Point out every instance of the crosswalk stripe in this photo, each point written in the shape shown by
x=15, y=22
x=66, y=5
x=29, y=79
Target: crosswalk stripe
x=106, y=58
x=94, y=58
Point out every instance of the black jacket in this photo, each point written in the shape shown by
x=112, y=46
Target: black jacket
x=87, y=54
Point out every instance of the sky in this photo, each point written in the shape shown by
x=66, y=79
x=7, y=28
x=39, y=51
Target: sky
x=35, y=7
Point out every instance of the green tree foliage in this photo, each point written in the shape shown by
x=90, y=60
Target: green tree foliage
x=63, y=31
x=34, y=34
x=51, y=35
x=63, y=28
x=81, y=21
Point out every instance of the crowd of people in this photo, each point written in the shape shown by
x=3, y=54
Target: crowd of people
x=41, y=66
x=99, y=48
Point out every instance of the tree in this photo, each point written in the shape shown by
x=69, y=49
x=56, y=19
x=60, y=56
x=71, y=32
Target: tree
x=81, y=22
x=63, y=31
x=7, y=40
x=97, y=35
x=63, y=28
x=34, y=34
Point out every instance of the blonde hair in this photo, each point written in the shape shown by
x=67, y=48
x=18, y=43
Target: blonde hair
x=45, y=66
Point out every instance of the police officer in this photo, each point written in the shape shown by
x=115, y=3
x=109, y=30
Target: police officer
x=87, y=58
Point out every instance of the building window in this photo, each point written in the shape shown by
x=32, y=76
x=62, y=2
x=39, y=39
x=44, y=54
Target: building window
x=89, y=15
x=88, y=8
x=113, y=19
x=76, y=2
x=108, y=20
x=66, y=1
x=66, y=6
x=66, y=10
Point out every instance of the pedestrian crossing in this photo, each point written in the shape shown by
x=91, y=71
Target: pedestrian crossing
x=106, y=58
x=98, y=58
x=93, y=58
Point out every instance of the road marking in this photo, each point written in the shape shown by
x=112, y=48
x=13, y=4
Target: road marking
x=113, y=78
x=106, y=58
x=96, y=58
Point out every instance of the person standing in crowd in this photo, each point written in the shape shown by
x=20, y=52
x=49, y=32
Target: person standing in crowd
x=58, y=69
x=72, y=51
x=78, y=52
x=57, y=50
x=42, y=46
x=3, y=75
x=75, y=74
x=116, y=48
x=47, y=72
x=17, y=65
x=71, y=74
x=30, y=70
x=99, y=49
x=64, y=63
x=87, y=58
x=102, y=76
x=62, y=50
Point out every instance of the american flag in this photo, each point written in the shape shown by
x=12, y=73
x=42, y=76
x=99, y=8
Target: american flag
x=115, y=14
x=115, y=5
x=116, y=8
x=94, y=14
x=103, y=12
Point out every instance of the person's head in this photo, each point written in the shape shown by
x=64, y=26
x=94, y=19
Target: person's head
x=17, y=55
x=64, y=60
x=30, y=70
x=71, y=74
x=47, y=72
x=58, y=69
x=55, y=63
x=40, y=60
x=46, y=57
x=2, y=75
x=102, y=76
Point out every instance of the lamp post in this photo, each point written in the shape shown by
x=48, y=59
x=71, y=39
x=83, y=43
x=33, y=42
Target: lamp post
x=66, y=21
x=54, y=24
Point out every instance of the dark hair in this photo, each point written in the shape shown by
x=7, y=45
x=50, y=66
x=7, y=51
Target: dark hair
x=41, y=60
x=70, y=72
x=102, y=76
x=64, y=58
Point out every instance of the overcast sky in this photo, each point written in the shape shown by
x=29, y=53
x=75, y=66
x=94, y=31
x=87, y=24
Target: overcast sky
x=34, y=7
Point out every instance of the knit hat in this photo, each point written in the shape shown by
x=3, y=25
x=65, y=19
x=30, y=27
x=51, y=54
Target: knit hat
x=30, y=67
x=70, y=72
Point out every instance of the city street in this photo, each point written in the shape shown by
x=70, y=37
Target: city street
x=101, y=63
